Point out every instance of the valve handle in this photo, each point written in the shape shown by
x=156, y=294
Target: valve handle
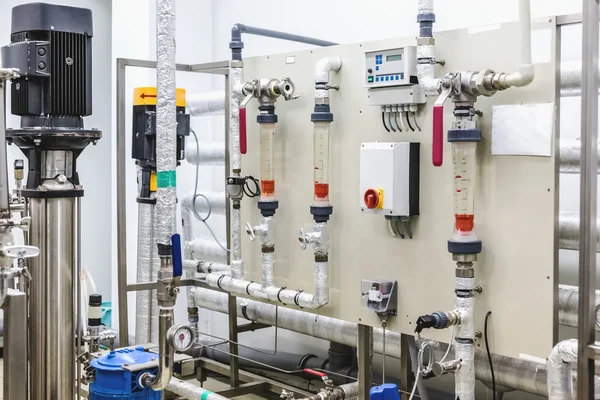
x=243, y=137
x=302, y=239
x=437, y=151
x=315, y=373
x=20, y=251
x=250, y=231
x=176, y=255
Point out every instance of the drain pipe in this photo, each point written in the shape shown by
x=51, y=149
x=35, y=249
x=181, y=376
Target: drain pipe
x=166, y=194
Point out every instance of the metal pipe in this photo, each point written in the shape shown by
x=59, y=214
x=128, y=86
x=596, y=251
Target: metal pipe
x=165, y=354
x=147, y=263
x=236, y=45
x=568, y=306
x=588, y=198
x=207, y=103
x=190, y=391
x=208, y=153
x=51, y=296
x=216, y=200
x=569, y=231
x=520, y=374
x=426, y=49
x=570, y=157
x=560, y=373
x=207, y=249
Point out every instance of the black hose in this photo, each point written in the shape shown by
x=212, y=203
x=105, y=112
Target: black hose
x=487, y=349
x=408, y=120
x=383, y=120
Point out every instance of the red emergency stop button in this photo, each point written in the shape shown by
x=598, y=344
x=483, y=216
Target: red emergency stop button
x=372, y=198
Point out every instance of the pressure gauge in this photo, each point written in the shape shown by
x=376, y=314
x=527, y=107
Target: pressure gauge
x=181, y=337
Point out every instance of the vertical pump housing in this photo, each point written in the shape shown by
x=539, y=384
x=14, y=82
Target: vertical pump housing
x=51, y=45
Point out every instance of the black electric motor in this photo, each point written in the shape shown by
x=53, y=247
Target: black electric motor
x=51, y=46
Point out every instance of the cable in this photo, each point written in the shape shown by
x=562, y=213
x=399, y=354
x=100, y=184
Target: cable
x=449, y=344
x=396, y=119
x=408, y=120
x=383, y=120
x=415, y=119
x=196, y=195
x=487, y=349
x=390, y=121
x=414, y=389
x=248, y=191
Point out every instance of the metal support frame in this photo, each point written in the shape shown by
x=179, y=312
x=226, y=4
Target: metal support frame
x=586, y=332
x=205, y=364
x=218, y=68
x=15, y=356
x=365, y=360
x=405, y=368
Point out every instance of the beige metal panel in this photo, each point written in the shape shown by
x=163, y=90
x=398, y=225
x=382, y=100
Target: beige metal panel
x=514, y=206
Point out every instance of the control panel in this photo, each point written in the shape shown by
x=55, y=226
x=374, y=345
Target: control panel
x=389, y=178
x=394, y=67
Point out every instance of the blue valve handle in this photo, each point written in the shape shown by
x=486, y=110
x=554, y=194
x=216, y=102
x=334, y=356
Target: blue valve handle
x=176, y=255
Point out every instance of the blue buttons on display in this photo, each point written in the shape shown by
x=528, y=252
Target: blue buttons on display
x=397, y=77
x=387, y=78
x=376, y=79
x=377, y=68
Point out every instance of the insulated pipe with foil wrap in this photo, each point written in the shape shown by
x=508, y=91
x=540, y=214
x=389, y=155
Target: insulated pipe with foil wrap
x=569, y=231
x=207, y=153
x=570, y=157
x=190, y=391
x=520, y=374
x=207, y=103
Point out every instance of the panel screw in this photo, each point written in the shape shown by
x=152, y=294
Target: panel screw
x=69, y=61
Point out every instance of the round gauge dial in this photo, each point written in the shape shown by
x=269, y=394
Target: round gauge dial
x=181, y=337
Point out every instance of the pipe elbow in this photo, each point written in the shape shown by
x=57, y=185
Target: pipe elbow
x=522, y=78
x=322, y=69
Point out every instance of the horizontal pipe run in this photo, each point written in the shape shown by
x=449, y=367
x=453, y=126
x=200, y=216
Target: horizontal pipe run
x=207, y=249
x=569, y=231
x=205, y=267
x=207, y=103
x=570, y=157
x=190, y=391
x=521, y=374
x=213, y=201
x=253, y=30
x=206, y=153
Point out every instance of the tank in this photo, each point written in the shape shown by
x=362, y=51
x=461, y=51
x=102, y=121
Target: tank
x=117, y=375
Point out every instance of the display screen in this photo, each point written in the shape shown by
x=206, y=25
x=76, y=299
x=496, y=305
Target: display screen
x=394, y=57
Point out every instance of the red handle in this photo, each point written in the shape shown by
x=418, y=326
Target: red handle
x=437, y=154
x=313, y=372
x=243, y=140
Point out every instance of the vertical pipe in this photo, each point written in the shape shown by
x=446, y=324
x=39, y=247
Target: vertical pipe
x=15, y=379
x=365, y=360
x=60, y=343
x=77, y=282
x=405, y=368
x=146, y=256
x=588, y=186
x=37, y=298
x=121, y=205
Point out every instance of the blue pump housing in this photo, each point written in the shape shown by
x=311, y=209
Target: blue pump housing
x=112, y=381
x=387, y=391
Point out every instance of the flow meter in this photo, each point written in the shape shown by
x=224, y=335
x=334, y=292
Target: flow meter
x=181, y=337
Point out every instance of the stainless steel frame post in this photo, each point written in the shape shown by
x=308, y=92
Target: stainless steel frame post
x=588, y=186
x=15, y=356
x=365, y=360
